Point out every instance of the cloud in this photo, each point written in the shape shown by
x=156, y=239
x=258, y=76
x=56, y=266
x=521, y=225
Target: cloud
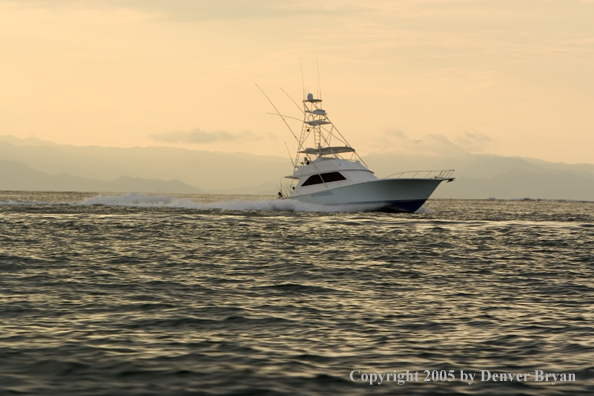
x=198, y=136
x=396, y=133
x=200, y=10
x=436, y=143
x=474, y=142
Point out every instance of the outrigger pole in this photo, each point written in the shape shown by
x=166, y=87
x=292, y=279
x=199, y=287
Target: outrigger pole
x=278, y=112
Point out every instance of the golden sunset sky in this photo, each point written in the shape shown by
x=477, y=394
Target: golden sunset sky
x=512, y=78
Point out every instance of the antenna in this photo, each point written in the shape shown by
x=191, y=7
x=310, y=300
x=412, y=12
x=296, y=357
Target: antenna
x=319, y=84
x=302, y=79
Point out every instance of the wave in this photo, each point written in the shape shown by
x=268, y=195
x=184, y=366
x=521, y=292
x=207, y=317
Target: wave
x=18, y=202
x=280, y=205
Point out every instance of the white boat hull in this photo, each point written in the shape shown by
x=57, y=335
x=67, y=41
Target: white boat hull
x=389, y=195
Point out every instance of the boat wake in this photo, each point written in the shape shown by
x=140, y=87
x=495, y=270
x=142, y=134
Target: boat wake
x=140, y=200
x=282, y=205
x=168, y=201
x=423, y=210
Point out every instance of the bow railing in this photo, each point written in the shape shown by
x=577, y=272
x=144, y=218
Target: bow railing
x=423, y=174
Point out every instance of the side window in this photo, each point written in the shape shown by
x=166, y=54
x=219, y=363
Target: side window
x=323, y=178
x=315, y=179
x=332, y=177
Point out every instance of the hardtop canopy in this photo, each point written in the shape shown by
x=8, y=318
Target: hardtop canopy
x=328, y=150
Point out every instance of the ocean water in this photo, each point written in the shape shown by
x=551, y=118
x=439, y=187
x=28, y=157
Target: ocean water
x=234, y=295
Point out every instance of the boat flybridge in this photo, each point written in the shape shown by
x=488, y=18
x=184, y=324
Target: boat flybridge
x=323, y=175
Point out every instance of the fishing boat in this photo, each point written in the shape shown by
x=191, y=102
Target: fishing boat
x=330, y=172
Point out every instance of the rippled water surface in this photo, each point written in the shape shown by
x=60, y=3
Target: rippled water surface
x=223, y=295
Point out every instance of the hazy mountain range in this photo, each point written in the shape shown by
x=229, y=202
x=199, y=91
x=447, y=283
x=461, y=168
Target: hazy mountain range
x=33, y=164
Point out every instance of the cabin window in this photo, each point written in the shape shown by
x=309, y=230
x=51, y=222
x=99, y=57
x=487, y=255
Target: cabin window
x=323, y=178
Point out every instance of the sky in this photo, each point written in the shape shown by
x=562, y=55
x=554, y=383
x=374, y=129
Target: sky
x=513, y=78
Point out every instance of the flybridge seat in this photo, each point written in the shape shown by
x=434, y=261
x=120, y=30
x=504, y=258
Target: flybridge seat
x=328, y=150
